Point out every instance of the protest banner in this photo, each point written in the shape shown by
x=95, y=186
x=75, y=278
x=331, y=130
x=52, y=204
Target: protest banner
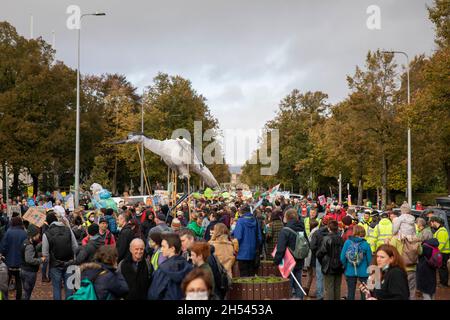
x=322, y=200
x=35, y=216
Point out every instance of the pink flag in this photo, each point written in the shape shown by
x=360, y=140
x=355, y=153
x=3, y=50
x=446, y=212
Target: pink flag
x=287, y=264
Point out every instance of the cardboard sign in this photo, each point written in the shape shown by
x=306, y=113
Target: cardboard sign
x=35, y=216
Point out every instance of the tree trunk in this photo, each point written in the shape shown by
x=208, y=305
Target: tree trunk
x=447, y=170
x=15, y=185
x=360, y=192
x=4, y=180
x=35, y=183
x=384, y=181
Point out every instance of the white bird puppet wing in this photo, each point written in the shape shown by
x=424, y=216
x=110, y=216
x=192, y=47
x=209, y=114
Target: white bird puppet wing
x=177, y=154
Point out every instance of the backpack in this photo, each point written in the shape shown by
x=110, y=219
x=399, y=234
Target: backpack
x=221, y=278
x=354, y=254
x=112, y=224
x=435, y=260
x=87, y=289
x=3, y=277
x=410, y=252
x=301, y=245
x=60, y=242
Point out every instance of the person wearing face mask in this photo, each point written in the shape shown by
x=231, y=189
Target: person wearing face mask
x=90, y=220
x=30, y=261
x=393, y=277
x=197, y=285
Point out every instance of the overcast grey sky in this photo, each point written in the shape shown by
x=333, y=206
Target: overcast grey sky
x=243, y=56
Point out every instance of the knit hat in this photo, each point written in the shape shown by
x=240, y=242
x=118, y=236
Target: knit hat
x=347, y=220
x=32, y=230
x=93, y=229
x=405, y=208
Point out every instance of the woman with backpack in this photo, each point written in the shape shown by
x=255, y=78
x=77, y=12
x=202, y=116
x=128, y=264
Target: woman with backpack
x=102, y=276
x=429, y=261
x=356, y=256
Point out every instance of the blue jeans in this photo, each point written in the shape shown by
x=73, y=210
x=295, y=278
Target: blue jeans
x=319, y=280
x=28, y=282
x=44, y=269
x=297, y=271
x=351, y=287
x=58, y=274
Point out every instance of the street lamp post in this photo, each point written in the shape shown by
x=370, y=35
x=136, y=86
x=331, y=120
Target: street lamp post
x=142, y=150
x=409, y=192
x=77, y=133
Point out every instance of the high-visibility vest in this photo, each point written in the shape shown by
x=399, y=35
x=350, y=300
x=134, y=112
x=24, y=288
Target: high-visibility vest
x=307, y=225
x=370, y=238
x=365, y=225
x=444, y=242
x=154, y=259
x=383, y=231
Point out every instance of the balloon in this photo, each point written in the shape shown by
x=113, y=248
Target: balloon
x=208, y=193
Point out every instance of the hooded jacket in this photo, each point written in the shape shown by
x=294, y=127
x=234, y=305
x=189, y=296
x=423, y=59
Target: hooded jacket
x=87, y=252
x=426, y=274
x=246, y=232
x=361, y=269
x=404, y=225
x=317, y=238
x=166, y=281
x=109, y=284
x=287, y=239
x=329, y=254
x=11, y=246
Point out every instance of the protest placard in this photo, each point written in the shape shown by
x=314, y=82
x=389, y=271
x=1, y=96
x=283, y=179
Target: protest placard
x=35, y=216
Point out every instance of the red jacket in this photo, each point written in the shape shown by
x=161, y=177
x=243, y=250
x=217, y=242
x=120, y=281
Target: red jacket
x=109, y=239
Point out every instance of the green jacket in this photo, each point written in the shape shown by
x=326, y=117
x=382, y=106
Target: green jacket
x=198, y=231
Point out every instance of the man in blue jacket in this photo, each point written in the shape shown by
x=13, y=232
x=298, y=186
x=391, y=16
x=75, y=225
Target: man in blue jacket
x=11, y=248
x=248, y=234
x=166, y=282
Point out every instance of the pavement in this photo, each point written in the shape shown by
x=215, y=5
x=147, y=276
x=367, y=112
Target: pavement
x=43, y=290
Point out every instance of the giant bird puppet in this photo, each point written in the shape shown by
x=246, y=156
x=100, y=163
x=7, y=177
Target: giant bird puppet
x=177, y=154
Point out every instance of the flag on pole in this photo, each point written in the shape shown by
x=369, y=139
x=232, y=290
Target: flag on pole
x=274, y=190
x=287, y=263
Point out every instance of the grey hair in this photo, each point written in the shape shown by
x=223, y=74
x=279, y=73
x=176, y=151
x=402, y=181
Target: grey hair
x=421, y=222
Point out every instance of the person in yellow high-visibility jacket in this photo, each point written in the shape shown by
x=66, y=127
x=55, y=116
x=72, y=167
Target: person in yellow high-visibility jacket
x=307, y=220
x=382, y=232
x=366, y=221
x=442, y=236
x=371, y=240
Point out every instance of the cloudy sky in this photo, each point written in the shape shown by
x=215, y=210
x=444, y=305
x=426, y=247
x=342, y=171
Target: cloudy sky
x=243, y=56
